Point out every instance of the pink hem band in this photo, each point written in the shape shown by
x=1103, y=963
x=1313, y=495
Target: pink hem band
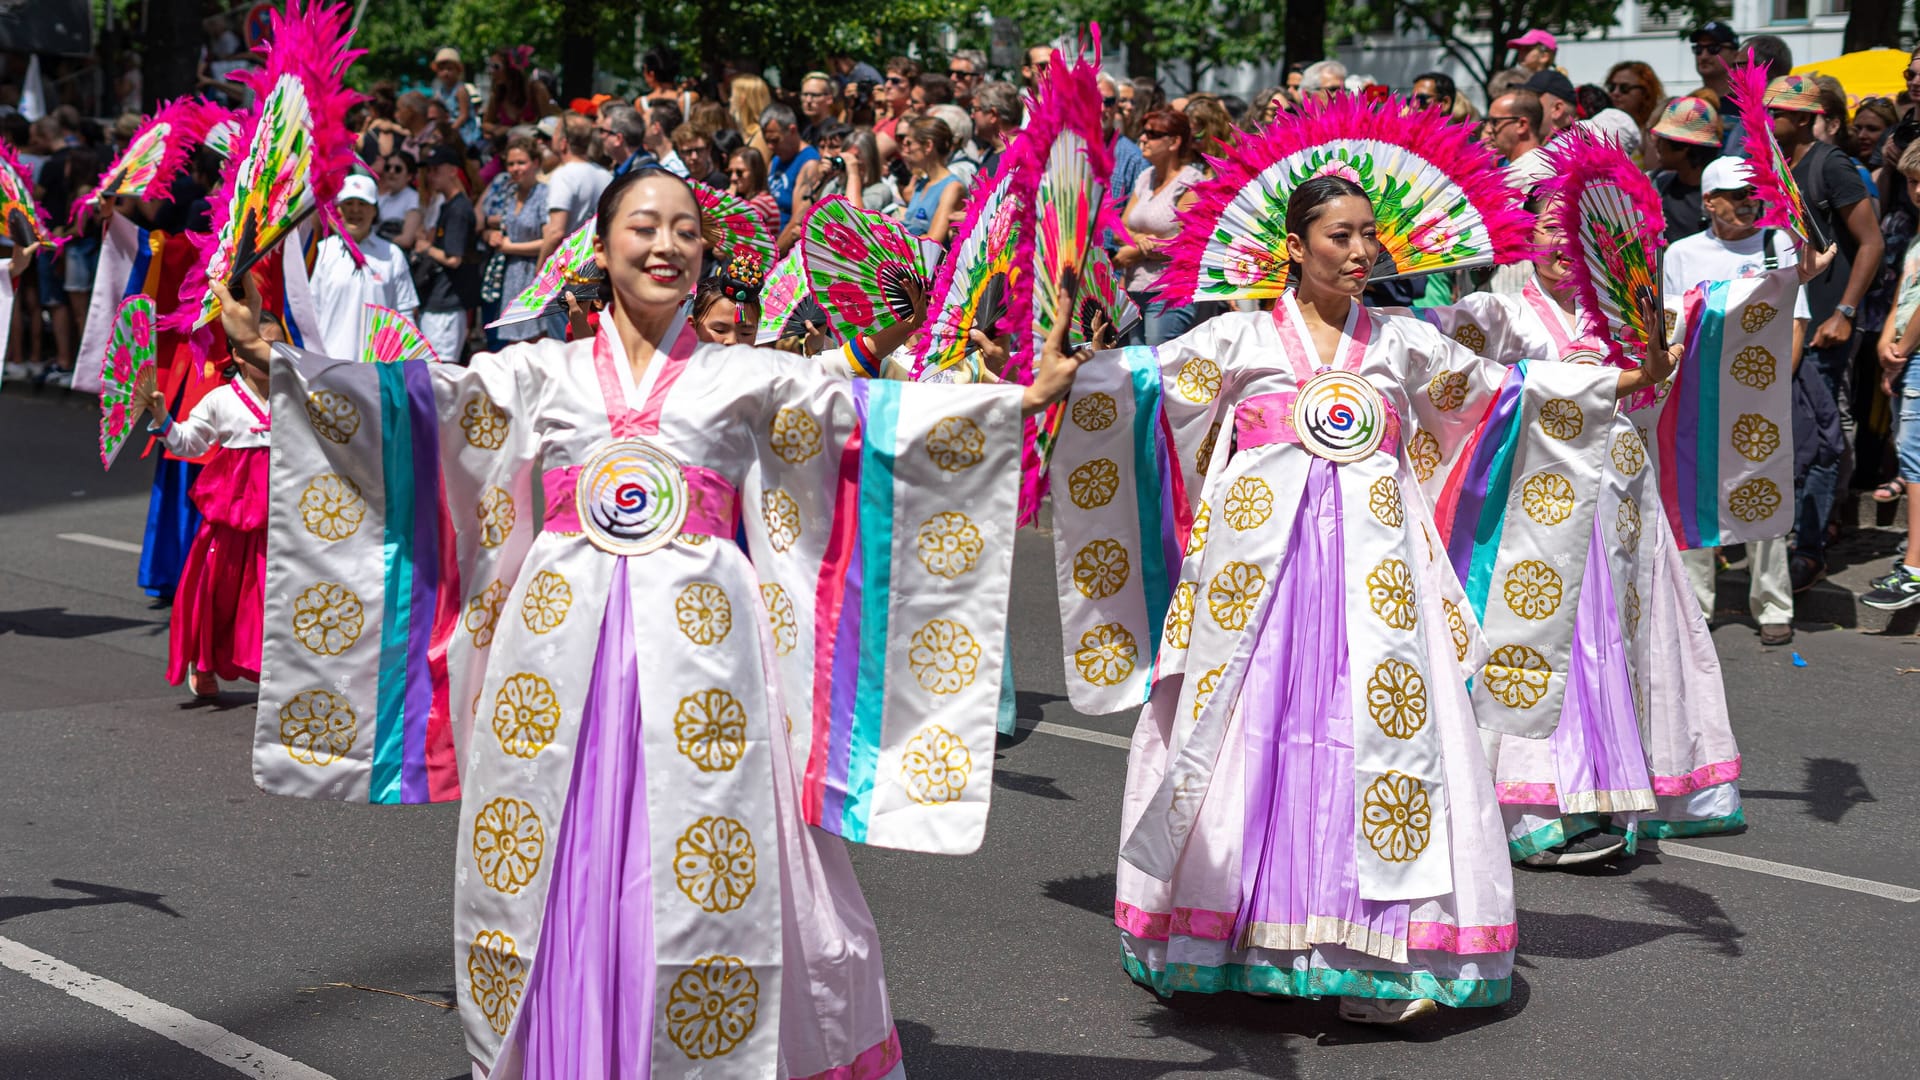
x=1218, y=926
x=1706, y=776
x=873, y=1063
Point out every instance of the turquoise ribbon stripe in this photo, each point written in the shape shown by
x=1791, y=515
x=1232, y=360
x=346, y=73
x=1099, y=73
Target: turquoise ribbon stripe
x=1706, y=484
x=1149, y=491
x=396, y=464
x=1493, y=513
x=877, y=454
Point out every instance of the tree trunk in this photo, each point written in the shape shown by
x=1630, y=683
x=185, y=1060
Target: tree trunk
x=171, y=37
x=577, y=47
x=1872, y=25
x=1306, y=33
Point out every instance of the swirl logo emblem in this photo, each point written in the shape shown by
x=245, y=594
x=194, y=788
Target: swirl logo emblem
x=632, y=497
x=1340, y=416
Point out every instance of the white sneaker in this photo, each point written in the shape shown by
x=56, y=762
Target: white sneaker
x=1357, y=1010
x=59, y=377
x=19, y=372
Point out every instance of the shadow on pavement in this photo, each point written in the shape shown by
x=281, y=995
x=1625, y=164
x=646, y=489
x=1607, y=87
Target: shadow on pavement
x=1042, y=787
x=14, y=907
x=1833, y=788
x=63, y=625
x=1091, y=892
x=1583, y=936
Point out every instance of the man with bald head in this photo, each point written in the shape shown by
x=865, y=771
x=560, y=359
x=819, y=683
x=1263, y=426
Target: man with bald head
x=1515, y=129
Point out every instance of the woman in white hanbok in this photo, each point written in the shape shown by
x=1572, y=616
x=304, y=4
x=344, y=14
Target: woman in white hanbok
x=1243, y=541
x=763, y=614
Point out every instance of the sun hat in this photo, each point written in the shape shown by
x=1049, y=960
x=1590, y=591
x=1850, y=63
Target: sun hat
x=1794, y=93
x=1689, y=120
x=358, y=187
x=1726, y=174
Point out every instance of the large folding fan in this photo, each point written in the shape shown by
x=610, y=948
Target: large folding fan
x=1440, y=200
x=130, y=355
x=25, y=222
x=1782, y=204
x=392, y=337
x=781, y=295
x=571, y=269
x=861, y=266
x=1610, y=215
x=730, y=226
x=998, y=227
x=155, y=154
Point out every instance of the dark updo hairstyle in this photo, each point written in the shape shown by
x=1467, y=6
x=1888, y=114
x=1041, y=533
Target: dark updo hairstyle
x=1310, y=200
x=616, y=191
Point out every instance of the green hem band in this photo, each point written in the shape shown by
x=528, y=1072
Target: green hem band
x=1663, y=830
x=1319, y=982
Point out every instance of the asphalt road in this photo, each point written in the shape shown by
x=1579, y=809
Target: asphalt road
x=134, y=847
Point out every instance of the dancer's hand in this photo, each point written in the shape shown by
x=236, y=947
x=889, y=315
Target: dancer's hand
x=1053, y=378
x=1814, y=263
x=146, y=391
x=240, y=318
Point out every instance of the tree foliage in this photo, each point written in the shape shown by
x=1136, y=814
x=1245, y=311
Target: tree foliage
x=1191, y=35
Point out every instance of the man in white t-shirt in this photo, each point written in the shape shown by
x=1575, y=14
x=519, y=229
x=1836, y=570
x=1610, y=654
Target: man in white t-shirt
x=1731, y=247
x=574, y=186
x=342, y=290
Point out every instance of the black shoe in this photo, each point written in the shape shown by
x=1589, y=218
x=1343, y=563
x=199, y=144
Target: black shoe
x=1900, y=589
x=1590, y=847
x=1776, y=633
x=1805, y=571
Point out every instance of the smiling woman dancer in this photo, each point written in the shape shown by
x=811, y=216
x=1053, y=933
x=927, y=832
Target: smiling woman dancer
x=1308, y=811
x=815, y=573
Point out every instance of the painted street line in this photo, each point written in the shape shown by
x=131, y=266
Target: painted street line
x=101, y=542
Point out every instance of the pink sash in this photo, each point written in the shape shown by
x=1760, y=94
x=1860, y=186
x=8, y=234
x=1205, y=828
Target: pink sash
x=1264, y=419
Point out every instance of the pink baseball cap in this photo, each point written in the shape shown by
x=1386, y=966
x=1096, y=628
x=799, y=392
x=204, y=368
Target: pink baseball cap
x=1536, y=37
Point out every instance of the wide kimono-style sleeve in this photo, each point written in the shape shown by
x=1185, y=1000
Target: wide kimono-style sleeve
x=1486, y=323
x=1127, y=472
x=880, y=518
x=1511, y=459
x=401, y=512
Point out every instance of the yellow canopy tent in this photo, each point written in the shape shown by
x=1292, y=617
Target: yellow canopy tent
x=1872, y=73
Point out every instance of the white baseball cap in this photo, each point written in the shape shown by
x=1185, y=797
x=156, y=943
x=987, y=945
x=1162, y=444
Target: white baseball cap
x=1726, y=174
x=358, y=187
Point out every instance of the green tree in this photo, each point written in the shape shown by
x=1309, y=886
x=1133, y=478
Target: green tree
x=1197, y=35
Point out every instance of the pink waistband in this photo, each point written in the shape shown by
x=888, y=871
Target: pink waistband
x=1268, y=418
x=713, y=506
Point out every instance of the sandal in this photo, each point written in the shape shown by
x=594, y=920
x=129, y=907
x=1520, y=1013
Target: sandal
x=1889, y=491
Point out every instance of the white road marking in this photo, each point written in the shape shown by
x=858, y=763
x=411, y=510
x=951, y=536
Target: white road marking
x=1692, y=852
x=1067, y=732
x=210, y=1040
x=101, y=542
x=1899, y=893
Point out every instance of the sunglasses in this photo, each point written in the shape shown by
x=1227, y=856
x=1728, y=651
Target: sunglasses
x=1110, y=102
x=1149, y=133
x=895, y=80
x=1497, y=122
x=1623, y=87
x=1714, y=49
x=1426, y=99
x=956, y=73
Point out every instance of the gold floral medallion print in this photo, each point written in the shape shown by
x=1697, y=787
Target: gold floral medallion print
x=328, y=618
x=1095, y=412
x=1754, y=500
x=332, y=416
x=782, y=517
x=1179, y=629
x=944, y=656
x=1755, y=437
x=1754, y=367
x=1547, y=498
x=1106, y=655
x=547, y=602
x=317, y=727
x=1670, y=319
x=1517, y=676
x=949, y=544
x=509, y=843
x=1757, y=315
x=1197, y=537
x=1533, y=590
x=496, y=977
x=1626, y=525
x=956, y=443
x=1249, y=503
x=1093, y=484
x=1203, y=691
x=1629, y=455
x=1632, y=612
x=1383, y=498
x=1448, y=390
x=1397, y=699
x=1101, y=568
x=526, y=713
x=794, y=436
x=1457, y=627
x=1203, y=457
x=1397, y=817
x=331, y=507
x=710, y=728
x=483, y=613
x=1423, y=450
x=935, y=766
x=1390, y=594
x=1199, y=380
x=786, y=629
x=704, y=613
x=1233, y=593
x=484, y=424
x=497, y=515
x=712, y=1007
x=1560, y=417
x=714, y=864
x=1470, y=335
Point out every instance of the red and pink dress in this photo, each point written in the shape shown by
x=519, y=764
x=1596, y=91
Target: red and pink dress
x=217, y=610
